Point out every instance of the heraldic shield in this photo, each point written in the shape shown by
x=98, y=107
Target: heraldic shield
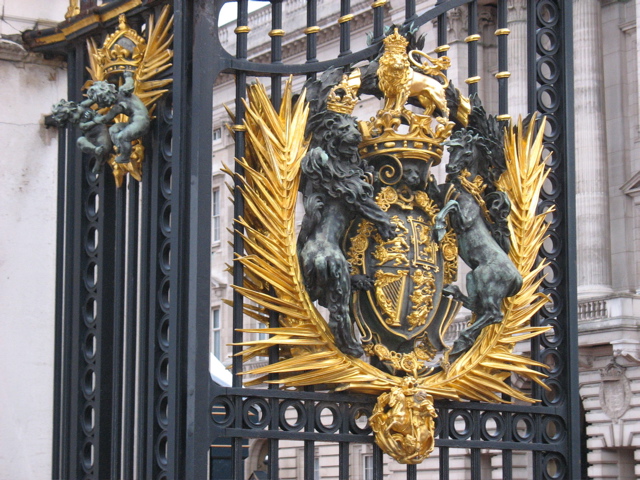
x=405, y=310
x=380, y=239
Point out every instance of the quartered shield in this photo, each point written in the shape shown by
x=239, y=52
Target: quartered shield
x=405, y=309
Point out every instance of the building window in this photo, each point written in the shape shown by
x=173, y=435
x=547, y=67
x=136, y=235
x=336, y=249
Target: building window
x=216, y=332
x=215, y=213
x=217, y=134
x=367, y=467
x=316, y=468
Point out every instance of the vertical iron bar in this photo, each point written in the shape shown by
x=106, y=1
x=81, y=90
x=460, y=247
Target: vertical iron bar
x=59, y=363
x=378, y=465
x=276, y=35
x=412, y=472
x=242, y=31
x=410, y=10
x=532, y=76
x=345, y=27
x=312, y=31
x=131, y=295
x=118, y=328
x=443, y=457
x=343, y=447
x=309, y=445
x=472, y=42
x=378, y=20
x=503, y=66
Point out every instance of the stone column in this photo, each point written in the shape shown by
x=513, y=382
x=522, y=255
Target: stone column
x=517, y=53
x=592, y=196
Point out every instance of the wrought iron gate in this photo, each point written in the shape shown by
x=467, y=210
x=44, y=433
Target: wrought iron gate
x=133, y=392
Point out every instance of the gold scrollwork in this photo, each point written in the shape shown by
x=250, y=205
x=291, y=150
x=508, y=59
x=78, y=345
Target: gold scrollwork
x=449, y=246
x=359, y=245
x=422, y=297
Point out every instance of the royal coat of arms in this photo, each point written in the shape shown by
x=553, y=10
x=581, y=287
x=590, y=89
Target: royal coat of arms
x=381, y=239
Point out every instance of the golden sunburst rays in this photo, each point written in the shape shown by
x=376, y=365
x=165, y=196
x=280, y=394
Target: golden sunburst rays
x=273, y=281
x=480, y=373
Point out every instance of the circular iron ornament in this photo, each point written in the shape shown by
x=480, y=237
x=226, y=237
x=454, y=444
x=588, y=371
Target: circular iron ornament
x=90, y=346
x=522, y=429
x=554, y=466
x=547, y=41
x=492, y=433
x=554, y=276
x=548, y=99
x=89, y=382
x=256, y=413
x=553, y=429
x=88, y=419
x=547, y=13
x=319, y=413
x=548, y=71
x=301, y=415
x=552, y=246
x=554, y=306
x=549, y=187
x=552, y=132
x=90, y=310
x=163, y=333
x=162, y=445
x=88, y=456
x=92, y=205
x=162, y=371
x=166, y=184
x=164, y=258
x=164, y=295
x=166, y=107
x=92, y=240
x=222, y=411
x=553, y=397
x=457, y=431
x=355, y=414
x=554, y=362
x=165, y=219
x=553, y=337
x=167, y=145
x=162, y=410
x=91, y=275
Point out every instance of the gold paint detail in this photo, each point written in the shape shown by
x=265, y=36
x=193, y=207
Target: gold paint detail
x=126, y=51
x=389, y=290
x=242, y=29
x=359, y=245
x=442, y=49
x=343, y=97
x=500, y=75
x=394, y=250
x=277, y=32
x=73, y=9
x=502, y=31
x=504, y=117
x=421, y=298
x=403, y=422
x=379, y=3
x=476, y=188
x=238, y=128
x=449, y=247
x=345, y=18
x=310, y=30
x=471, y=80
x=473, y=38
x=399, y=82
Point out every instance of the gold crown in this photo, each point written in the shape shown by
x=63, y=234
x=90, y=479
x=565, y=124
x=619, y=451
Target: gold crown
x=383, y=134
x=346, y=102
x=395, y=44
x=122, y=51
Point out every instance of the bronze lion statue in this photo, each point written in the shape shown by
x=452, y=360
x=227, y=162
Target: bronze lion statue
x=335, y=191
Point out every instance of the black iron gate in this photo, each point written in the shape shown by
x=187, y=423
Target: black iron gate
x=134, y=397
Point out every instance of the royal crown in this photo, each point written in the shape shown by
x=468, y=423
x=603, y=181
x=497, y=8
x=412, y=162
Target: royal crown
x=343, y=97
x=122, y=51
x=397, y=131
